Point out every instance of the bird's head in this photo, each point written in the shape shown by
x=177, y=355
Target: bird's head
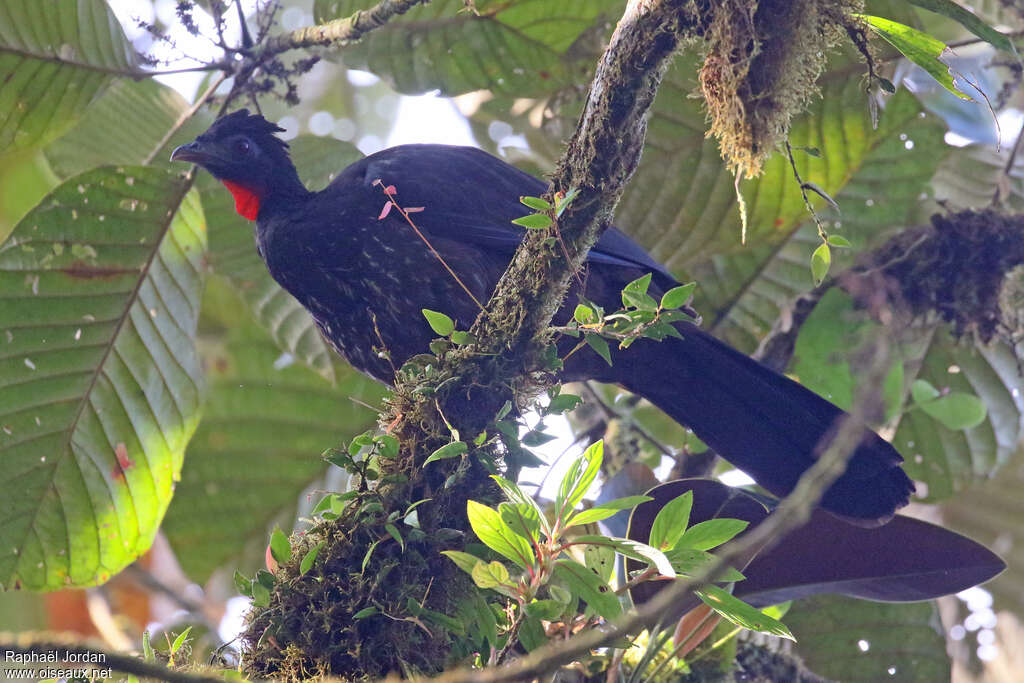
x=241, y=151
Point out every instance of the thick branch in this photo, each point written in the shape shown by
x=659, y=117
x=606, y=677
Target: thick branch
x=339, y=32
x=599, y=161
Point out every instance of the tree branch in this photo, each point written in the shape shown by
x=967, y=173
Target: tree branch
x=338, y=32
x=599, y=160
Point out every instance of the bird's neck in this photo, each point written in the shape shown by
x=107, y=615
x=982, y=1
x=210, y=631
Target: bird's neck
x=254, y=199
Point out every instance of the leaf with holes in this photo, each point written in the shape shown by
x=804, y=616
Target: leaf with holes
x=101, y=285
x=55, y=59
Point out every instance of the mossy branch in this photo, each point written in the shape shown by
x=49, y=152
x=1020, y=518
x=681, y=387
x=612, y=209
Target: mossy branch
x=336, y=33
x=599, y=160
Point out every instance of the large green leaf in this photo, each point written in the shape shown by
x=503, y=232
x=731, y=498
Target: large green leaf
x=971, y=175
x=144, y=111
x=946, y=460
x=992, y=512
x=682, y=205
x=55, y=57
x=519, y=48
x=101, y=384
x=258, y=446
x=854, y=640
x=233, y=254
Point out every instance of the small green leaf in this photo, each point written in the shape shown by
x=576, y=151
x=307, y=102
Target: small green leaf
x=562, y=403
x=260, y=595
x=490, y=574
x=605, y=510
x=518, y=496
x=578, y=478
x=922, y=391
x=368, y=555
x=548, y=610
x=522, y=518
x=632, y=549
x=148, y=654
x=464, y=561
x=387, y=446
x=917, y=46
x=180, y=640
x=309, y=558
x=839, y=241
x=439, y=322
x=599, y=345
x=678, y=296
x=462, y=338
x=243, y=583
x=565, y=201
x=536, y=203
x=638, y=300
x=689, y=562
x=393, y=531
x=365, y=612
x=449, y=450
x=639, y=285
x=493, y=532
x=711, y=533
x=600, y=559
x=741, y=614
x=956, y=410
x=590, y=587
x=584, y=314
x=534, y=221
x=821, y=261
x=531, y=634
x=671, y=522
x=280, y=548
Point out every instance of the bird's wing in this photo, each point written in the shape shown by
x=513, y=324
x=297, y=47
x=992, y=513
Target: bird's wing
x=472, y=196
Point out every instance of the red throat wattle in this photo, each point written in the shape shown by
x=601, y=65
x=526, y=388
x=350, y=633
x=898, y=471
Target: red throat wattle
x=247, y=202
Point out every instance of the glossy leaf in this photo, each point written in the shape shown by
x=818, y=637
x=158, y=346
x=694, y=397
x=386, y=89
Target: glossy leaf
x=493, y=532
x=578, y=478
x=671, y=521
x=101, y=286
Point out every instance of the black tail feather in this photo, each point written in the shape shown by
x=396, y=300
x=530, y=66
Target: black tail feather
x=765, y=424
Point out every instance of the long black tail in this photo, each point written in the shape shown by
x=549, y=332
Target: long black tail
x=763, y=423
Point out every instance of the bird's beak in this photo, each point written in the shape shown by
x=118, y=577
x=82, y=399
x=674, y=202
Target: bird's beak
x=193, y=152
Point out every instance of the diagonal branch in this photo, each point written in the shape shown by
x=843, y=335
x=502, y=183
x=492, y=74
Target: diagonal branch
x=338, y=32
x=599, y=160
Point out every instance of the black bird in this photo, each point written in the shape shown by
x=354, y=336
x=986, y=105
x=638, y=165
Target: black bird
x=361, y=275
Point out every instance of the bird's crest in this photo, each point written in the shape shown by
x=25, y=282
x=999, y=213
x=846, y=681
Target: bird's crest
x=253, y=125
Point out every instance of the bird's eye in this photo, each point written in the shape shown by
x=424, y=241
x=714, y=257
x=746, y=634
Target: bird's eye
x=243, y=146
